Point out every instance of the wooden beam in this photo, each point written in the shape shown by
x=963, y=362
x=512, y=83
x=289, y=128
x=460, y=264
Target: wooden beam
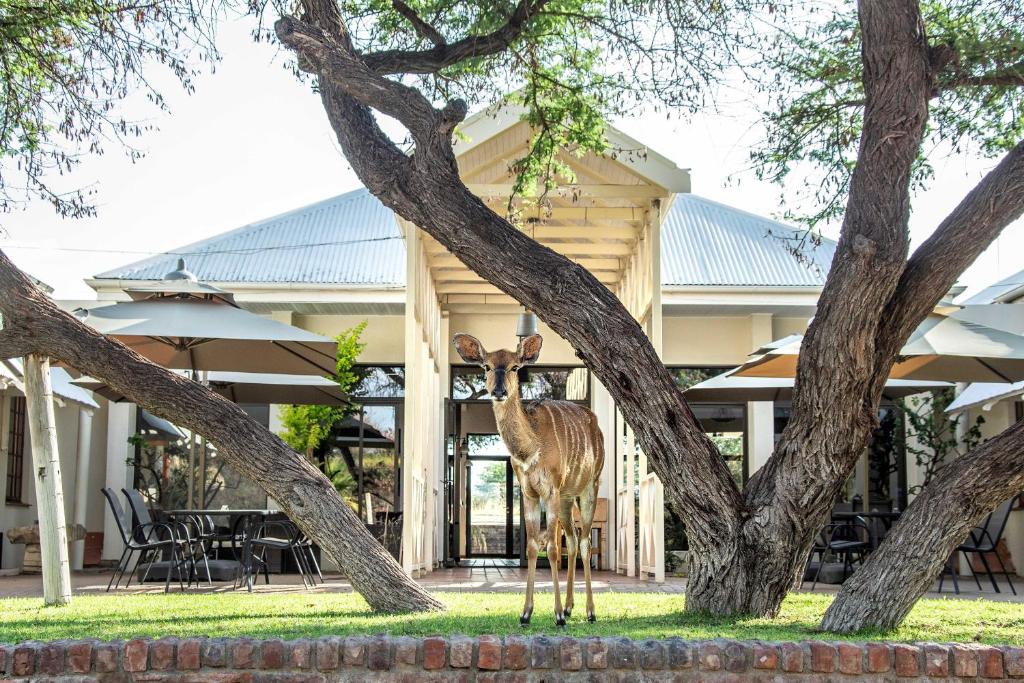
x=575, y=248
x=607, y=191
x=53, y=533
x=442, y=259
x=450, y=276
x=593, y=232
x=584, y=213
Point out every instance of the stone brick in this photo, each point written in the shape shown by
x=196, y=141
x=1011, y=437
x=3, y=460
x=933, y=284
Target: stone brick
x=879, y=658
x=936, y=660
x=353, y=651
x=597, y=654
x=272, y=654
x=407, y=651
x=161, y=654
x=79, y=657
x=680, y=653
x=571, y=655
x=542, y=652
x=460, y=655
x=4, y=654
x=851, y=658
x=965, y=661
x=823, y=657
x=990, y=660
x=23, y=662
x=243, y=654
x=285, y=677
x=736, y=657
x=106, y=657
x=710, y=656
x=766, y=656
x=652, y=654
x=792, y=658
x=906, y=659
x=189, y=654
x=327, y=653
x=136, y=655
x=378, y=653
x=434, y=652
x=489, y=653
x=215, y=653
x=1013, y=658
x=300, y=654
x=51, y=659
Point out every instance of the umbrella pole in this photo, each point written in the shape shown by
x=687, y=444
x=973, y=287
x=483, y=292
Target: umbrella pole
x=191, y=469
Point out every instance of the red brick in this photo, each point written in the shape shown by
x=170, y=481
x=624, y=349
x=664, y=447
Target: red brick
x=965, y=662
x=434, y=650
x=879, y=658
x=489, y=653
x=136, y=655
x=272, y=654
x=161, y=654
x=24, y=661
x=243, y=654
x=1013, y=657
x=737, y=657
x=460, y=654
x=189, y=654
x=353, y=651
x=709, y=656
x=906, y=659
x=766, y=656
x=407, y=650
x=327, y=654
x=378, y=653
x=215, y=653
x=823, y=657
x=51, y=659
x=571, y=655
x=79, y=657
x=106, y=658
x=542, y=652
x=300, y=654
x=850, y=658
x=792, y=658
x=991, y=661
x=517, y=653
x=936, y=661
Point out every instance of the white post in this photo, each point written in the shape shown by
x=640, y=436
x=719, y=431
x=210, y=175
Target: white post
x=82, y=483
x=53, y=537
x=120, y=427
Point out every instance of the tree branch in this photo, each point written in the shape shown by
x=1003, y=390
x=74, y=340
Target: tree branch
x=422, y=27
x=14, y=344
x=445, y=55
x=994, y=203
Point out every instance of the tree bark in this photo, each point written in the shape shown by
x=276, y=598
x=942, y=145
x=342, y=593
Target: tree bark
x=882, y=592
x=33, y=321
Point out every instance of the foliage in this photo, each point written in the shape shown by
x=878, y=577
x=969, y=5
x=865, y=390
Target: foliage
x=66, y=64
x=633, y=614
x=812, y=78
x=344, y=483
x=933, y=436
x=306, y=427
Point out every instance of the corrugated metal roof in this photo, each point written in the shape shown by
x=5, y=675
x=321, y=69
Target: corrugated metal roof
x=1008, y=289
x=349, y=239
x=705, y=243
x=353, y=239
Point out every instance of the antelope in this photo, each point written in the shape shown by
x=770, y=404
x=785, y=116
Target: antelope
x=557, y=453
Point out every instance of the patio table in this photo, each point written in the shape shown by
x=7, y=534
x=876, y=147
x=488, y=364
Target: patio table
x=885, y=517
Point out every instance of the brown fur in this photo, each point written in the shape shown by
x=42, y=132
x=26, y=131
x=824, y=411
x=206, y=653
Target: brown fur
x=557, y=454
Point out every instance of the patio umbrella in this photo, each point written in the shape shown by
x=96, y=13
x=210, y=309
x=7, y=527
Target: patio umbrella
x=188, y=333
x=982, y=394
x=941, y=348
x=730, y=388
x=252, y=387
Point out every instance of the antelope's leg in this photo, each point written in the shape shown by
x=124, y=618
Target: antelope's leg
x=531, y=513
x=588, y=504
x=571, y=544
x=554, y=552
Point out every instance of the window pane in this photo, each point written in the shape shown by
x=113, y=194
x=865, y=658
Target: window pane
x=568, y=384
x=380, y=381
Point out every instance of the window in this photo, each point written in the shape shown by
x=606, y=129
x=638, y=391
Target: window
x=380, y=381
x=16, y=450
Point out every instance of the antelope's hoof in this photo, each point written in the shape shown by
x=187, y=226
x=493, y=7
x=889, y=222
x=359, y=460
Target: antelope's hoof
x=568, y=612
x=524, y=620
x=591, y=618
x=560, y=622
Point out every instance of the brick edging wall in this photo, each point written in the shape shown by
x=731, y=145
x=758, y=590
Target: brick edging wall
x=492, y=658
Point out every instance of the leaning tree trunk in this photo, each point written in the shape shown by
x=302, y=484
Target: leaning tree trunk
x=882, y=592
x=34, y=324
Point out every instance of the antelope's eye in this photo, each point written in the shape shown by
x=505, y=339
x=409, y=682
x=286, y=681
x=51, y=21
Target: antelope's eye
x=513, y=368
x=487, y=368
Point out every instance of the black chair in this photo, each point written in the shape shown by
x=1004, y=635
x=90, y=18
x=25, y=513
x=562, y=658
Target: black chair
x=850, y=539
x=983, y=540
x=181, y=537
x=286, y=538
x=140, y=538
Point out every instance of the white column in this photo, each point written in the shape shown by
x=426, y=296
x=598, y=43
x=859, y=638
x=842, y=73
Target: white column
x=760, y=414
x=53, y=533
x=120, y=427
x=82, y=482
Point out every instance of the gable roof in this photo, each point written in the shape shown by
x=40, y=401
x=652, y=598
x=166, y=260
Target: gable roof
x=1005, y=291
x=705, y=243
x=351, y=239
x=354, y=240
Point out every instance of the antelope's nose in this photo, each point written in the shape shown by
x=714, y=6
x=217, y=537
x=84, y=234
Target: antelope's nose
x=499, y=394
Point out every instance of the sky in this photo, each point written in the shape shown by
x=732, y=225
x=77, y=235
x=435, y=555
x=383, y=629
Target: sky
x=253, y=142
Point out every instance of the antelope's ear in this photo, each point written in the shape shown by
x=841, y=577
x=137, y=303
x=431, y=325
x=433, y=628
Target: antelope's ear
x=470, y=348
x=529, y=349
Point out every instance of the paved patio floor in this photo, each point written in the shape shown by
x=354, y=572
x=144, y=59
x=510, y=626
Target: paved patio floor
x=474, y=579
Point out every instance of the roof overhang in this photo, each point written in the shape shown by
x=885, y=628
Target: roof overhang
x=679, y=301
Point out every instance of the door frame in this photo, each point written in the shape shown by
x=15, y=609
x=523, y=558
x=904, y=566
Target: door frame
x=511, y=552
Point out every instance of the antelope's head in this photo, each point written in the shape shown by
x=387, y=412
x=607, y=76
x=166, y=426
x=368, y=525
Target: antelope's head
x=501, y=368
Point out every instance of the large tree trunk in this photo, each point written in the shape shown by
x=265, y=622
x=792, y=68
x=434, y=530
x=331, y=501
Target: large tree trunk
x=34, y=324
x=881, y=593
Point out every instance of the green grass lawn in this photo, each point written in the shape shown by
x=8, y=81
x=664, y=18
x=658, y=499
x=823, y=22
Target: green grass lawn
x=637, y=615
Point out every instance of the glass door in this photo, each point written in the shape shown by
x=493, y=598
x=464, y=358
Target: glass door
x=492, y=500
